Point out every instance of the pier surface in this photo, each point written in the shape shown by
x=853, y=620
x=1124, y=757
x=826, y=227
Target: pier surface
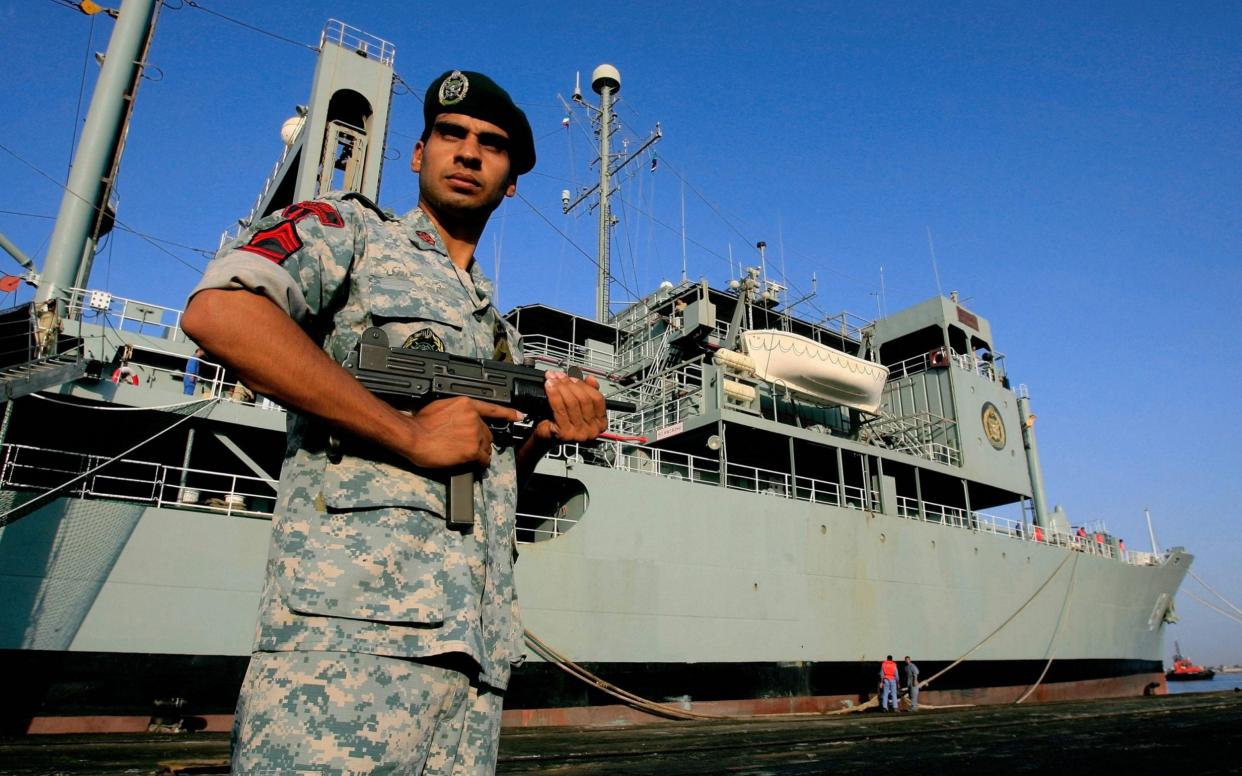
x=1196, y=732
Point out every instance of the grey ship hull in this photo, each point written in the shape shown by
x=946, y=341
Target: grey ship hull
x=724, y=600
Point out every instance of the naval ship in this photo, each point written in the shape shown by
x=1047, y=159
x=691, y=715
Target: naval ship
x=792, y=500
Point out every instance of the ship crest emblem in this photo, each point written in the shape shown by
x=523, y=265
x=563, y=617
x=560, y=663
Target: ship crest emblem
x=993, y=426
x=453, y=89
x=424, y=339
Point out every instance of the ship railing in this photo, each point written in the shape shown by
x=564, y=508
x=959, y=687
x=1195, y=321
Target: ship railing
x=940, y=357
x=983, y=522
x=910, y=366
x=643, y=459
x=126, y=314
x=969, y=362
x=538, y=528
x=362, y=43
x=43, y=469
x=847, y=324
x=566, y=353
x=644, y=350
x=202, y=489
x=207, y=383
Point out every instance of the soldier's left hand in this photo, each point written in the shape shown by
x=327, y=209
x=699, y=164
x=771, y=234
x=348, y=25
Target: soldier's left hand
x=578, y=413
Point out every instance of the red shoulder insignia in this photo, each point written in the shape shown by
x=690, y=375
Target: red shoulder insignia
x=276, y=243
x=425, y=237
x=325, y=213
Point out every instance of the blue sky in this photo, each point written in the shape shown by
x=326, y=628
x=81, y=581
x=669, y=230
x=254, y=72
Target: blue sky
x=1077, y=166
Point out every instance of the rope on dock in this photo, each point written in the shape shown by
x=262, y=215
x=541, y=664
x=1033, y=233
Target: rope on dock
x=573, y=669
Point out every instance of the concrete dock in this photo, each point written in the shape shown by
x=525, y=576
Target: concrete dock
x=1193, y=733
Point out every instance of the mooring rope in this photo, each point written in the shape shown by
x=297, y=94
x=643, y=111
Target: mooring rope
x=575, y=670
x=1065, y=605
x=1000, y=627
x=1212, y=590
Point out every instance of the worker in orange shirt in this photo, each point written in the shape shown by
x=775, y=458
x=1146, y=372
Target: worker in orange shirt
x=888, y=685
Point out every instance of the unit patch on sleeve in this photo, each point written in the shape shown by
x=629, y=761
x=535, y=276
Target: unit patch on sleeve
x=276, y=243
x=424, y=339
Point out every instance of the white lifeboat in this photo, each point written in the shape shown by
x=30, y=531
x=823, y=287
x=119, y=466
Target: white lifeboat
x=809, y=368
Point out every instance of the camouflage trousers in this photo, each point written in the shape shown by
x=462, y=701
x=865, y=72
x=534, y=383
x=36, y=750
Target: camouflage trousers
x=344, y=713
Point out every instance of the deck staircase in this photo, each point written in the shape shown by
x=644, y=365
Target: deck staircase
x=922, y=434
x=24, y=379
x=22, y=371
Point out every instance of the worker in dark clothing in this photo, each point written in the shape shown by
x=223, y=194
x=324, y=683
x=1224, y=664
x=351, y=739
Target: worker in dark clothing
x=912, y=683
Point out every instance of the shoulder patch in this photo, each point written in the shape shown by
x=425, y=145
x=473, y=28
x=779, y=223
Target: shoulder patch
x=425, y=237
x=322, y=211
x=275, y=243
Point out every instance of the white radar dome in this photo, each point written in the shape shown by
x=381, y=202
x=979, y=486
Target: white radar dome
x=606, y=75
x=290, y=129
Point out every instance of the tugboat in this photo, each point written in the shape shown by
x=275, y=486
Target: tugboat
x=1184, y=670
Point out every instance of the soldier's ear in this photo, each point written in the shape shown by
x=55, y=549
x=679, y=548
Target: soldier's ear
x=416, y=161
x=511, y=189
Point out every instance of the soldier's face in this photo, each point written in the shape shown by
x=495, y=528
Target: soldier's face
x=463, y=168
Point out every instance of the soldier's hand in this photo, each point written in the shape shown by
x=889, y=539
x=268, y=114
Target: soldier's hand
x=578, y=413
x=452, y=432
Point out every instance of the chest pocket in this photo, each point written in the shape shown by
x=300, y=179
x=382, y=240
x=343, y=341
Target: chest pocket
x=421, y=313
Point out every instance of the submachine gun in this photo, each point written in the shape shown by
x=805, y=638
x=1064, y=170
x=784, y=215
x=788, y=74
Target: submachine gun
x=408, y=378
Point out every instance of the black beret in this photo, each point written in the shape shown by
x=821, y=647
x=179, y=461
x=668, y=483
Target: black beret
x=474, y=94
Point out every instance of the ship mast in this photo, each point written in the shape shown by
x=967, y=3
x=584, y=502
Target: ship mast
x=606, y=82
x=95, y=164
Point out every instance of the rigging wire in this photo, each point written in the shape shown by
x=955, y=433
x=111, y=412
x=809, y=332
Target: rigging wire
x=251, y=27
x=96, y=208
x=77, y=115
x=575, y=245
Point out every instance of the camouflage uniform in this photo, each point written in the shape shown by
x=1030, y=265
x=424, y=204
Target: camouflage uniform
x=361, y=559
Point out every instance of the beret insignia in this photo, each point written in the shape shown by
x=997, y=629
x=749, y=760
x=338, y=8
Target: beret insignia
x=454, y=88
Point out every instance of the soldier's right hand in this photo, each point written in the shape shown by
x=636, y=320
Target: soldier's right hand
x=452, y=432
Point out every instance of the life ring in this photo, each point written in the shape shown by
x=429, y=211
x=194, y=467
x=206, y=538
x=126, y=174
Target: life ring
x=125, y=374
x=938, y=358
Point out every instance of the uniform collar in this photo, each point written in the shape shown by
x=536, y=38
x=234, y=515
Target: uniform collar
x=422, y=232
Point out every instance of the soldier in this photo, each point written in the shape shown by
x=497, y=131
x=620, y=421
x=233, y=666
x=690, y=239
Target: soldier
x=385, y=638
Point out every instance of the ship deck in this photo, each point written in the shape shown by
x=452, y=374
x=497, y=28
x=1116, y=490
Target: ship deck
x=1138, y=735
